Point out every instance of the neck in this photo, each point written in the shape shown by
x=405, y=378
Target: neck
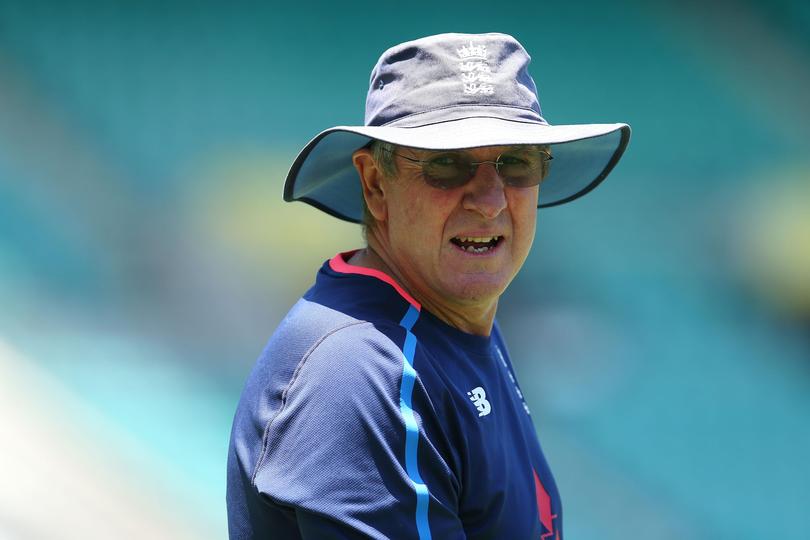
x=473, y=318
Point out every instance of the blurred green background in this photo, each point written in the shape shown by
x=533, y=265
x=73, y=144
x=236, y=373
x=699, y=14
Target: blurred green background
x=660, y=329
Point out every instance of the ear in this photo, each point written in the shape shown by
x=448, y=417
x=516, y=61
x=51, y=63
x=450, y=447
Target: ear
x=371, y=180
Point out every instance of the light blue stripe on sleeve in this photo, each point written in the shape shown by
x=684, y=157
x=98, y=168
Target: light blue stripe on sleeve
x=411, y=428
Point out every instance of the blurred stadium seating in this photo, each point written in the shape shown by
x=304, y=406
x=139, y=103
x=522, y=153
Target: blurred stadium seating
x=661, y=327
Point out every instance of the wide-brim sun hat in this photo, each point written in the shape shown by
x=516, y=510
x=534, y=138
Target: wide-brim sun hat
x=454, y=91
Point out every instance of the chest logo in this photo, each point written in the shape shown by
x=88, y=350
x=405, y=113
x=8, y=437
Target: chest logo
x=479, y=398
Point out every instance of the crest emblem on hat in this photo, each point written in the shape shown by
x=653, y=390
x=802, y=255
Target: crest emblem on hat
x=476, y=74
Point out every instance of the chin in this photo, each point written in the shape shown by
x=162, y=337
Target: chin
x=478, y=290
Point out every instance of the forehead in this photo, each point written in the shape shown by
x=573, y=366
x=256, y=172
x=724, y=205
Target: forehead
x=482, y=150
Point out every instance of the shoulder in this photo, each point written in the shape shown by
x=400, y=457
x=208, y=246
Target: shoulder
x=341, y=403
x=357, y=356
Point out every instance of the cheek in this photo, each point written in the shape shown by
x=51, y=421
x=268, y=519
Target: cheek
x=425, y=214
x=412, y=211
x=524, y=216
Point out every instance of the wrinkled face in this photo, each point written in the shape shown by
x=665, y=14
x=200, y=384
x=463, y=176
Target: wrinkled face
x=461, y=245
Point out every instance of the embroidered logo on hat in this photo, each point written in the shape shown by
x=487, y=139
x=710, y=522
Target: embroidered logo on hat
x=476, y=73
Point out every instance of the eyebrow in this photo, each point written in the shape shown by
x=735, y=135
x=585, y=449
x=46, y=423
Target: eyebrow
x=425, y=153
x=511, y=148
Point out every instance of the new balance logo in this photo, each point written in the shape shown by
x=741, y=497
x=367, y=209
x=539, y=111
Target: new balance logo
x=479, y=399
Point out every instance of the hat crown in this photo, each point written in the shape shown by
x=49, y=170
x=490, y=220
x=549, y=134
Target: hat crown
x=448, y=76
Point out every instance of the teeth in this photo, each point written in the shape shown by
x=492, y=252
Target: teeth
x=474, y=243
x=479, y=239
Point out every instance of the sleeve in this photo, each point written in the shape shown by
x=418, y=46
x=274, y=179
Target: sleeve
x=336, y=451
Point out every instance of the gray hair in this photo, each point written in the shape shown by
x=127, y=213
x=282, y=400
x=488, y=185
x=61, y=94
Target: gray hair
x=384, y=156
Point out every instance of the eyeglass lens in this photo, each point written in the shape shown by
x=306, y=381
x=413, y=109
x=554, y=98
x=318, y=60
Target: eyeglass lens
x=519, y=169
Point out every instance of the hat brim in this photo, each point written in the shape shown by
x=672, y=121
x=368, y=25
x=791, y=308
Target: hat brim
x=323, y=174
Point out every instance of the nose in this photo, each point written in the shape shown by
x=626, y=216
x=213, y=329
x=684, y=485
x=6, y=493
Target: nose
x=485, y=192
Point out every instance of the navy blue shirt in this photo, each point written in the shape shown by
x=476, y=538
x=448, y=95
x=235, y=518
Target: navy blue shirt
x=368, y=417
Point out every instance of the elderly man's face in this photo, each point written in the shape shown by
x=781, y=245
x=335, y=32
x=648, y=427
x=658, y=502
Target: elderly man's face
x=458, y=246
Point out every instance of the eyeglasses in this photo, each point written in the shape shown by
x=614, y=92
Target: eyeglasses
x=517, y=168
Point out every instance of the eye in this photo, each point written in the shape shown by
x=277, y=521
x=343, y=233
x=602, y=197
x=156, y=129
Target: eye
x=444, y=160
x=511, y=159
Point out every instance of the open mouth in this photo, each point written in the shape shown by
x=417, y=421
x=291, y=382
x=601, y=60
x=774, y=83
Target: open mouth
x=477, y=244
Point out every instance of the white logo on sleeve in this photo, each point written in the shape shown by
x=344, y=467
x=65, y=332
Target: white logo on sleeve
x=479, y=399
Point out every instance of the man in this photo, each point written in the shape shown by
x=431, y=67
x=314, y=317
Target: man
x=385, y=404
